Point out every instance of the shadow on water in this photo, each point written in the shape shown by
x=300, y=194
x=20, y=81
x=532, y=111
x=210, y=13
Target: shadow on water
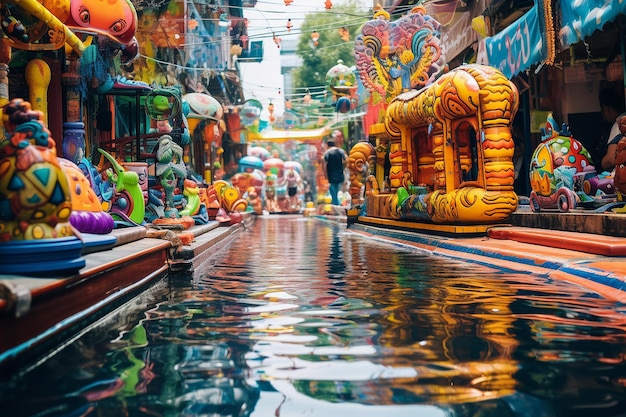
x=301, y=317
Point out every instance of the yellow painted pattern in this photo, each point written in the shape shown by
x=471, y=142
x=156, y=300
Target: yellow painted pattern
x=467, y=167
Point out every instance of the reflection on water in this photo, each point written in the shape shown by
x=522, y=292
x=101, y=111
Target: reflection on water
x=303, y=318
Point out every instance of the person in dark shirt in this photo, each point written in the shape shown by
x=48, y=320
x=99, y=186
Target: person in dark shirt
x=608, y=161
x=334, y=163
x=611, y=108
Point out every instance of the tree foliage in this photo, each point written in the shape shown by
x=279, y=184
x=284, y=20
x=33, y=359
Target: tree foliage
x=318, y=59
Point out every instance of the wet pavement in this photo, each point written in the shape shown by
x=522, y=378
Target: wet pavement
x=302, y=317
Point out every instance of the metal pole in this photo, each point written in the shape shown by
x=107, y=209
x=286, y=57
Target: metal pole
x=138, y=125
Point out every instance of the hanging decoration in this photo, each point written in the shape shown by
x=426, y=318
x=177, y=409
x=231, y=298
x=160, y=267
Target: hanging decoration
x=343, y=104
x=277, y=40
x=315, y=39
x=341, y=81
x=290, y=119
x=288, y=2
x=289, y=25
x=250, y=114
x=270, y=110
x=344, y=33
x=481, y=24
x=328, y=4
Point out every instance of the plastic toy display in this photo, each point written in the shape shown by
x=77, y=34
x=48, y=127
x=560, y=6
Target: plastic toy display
x=562, y=174
x=35, y=205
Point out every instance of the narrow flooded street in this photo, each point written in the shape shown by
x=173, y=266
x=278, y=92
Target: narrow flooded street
x=302, y=317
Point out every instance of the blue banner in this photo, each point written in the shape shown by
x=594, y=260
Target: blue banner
x=581, y=18
x=519, y=46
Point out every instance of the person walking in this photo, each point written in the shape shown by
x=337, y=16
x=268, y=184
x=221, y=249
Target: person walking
x=334, y=163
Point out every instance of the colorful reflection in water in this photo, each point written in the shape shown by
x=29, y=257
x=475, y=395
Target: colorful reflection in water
x=301, y=317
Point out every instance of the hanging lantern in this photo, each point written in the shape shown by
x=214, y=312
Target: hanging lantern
x=270, y=110
x=288, y=2
x=328, y=4
x=343, y=104
x=289, y=25
x=315, y=37
x=341, y=80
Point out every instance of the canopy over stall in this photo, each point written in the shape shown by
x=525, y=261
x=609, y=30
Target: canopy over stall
x=581, y=19
x=281, y=136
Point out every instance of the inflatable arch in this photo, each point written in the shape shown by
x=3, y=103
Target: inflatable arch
x=450, y=149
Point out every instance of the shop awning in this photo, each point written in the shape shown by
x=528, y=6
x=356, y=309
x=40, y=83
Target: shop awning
x=524, y=43
x=273, y=135
x=581, y=18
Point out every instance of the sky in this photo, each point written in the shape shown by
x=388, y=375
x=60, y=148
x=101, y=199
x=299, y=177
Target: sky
x=263, y=81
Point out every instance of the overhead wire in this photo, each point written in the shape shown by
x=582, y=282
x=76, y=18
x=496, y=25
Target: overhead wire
x=270, y=31
x=314, y=91
x=347, y=21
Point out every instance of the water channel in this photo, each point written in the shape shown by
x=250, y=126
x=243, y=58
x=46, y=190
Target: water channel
x=303, y=317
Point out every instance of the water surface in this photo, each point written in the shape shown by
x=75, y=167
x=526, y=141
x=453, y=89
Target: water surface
x=301, y=317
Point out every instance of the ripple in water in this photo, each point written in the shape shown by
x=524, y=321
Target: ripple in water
x=304, y=318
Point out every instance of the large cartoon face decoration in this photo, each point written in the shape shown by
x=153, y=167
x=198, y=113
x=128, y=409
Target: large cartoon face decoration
x=116, y=19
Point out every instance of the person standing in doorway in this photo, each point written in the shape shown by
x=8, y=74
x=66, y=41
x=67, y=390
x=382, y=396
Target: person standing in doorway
x=334, y=163
x=611, y=107
x=608, y=161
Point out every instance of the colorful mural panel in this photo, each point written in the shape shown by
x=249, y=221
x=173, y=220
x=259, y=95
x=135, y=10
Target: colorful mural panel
x=392, y=57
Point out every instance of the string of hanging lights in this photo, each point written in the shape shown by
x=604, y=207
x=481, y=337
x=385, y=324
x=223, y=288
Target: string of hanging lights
x=319, y=98
x=342, y=27
x=343, y=31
